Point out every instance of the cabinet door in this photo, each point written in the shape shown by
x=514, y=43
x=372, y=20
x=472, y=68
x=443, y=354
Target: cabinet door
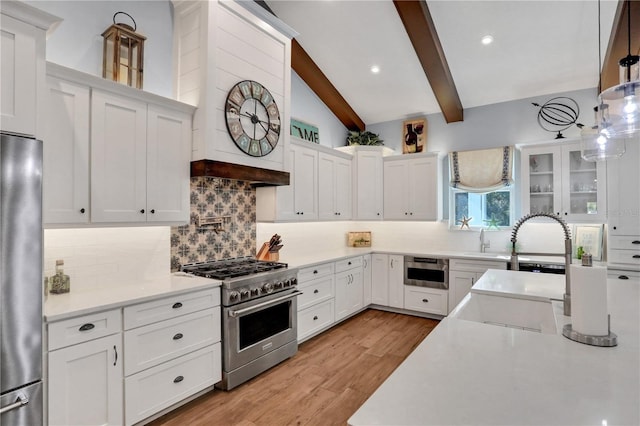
x=379, y=279
x=85, y=383
x=366, y=280
x=305, y=187
x=348, y=293
x=396, y=190
x=118, y=159
x=327, y=209
x=18, y=50
x=623, y=192
x=343, y=188
x=66, y=153
x=423, y=189
x=369, y=184
x=541, y=180
x=396, y=281
x=168, y=171
x=584, y=187
x=460, y=283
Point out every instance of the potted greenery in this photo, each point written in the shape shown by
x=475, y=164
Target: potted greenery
x=363, y=138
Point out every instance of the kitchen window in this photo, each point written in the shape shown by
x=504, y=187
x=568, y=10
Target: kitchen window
x=485, y=209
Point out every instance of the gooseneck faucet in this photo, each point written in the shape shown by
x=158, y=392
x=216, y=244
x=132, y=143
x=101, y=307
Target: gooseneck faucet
x=566, y=254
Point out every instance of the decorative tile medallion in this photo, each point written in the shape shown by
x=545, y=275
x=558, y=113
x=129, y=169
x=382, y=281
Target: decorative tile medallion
x=234, y=203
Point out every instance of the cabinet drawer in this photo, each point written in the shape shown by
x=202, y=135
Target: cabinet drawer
x=425, y=300
x=82, y=329
x=476, y=265
x=170, y=307
x=627, y=242
x=312, y=272
x=159, y=387
x=625, y=257
x=315, y=291
x=346, y=264
x=315, y=318
x=159, y=342
x=623, y=275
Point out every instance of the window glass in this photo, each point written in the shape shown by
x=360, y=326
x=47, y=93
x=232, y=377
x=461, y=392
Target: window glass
x=486, y=210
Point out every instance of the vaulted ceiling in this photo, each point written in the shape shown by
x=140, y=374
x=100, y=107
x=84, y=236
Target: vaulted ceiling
x=431, y=58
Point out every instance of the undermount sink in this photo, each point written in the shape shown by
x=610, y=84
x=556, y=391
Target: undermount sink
x=523, y=314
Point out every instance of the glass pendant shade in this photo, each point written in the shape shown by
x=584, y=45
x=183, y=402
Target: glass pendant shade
x=623, y=102
x=594, y=143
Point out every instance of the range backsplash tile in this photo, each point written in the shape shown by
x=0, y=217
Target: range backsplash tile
x=233, y=200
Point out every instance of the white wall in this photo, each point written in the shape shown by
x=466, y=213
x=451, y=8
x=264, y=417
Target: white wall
x=306, y=106
x=77, y=42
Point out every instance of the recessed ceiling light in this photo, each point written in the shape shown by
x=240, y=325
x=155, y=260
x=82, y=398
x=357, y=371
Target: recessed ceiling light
x=487, y=40
x=375, y=69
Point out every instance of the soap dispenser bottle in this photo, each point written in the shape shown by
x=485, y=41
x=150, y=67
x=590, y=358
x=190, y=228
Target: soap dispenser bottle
x=60, y=283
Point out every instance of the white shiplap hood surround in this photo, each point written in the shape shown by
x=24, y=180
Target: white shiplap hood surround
x=218, y=44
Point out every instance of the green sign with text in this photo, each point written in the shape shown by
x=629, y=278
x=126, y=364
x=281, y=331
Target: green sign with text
x=305, y=131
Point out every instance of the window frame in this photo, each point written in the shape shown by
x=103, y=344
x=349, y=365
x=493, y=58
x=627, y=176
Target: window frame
x=453, y=225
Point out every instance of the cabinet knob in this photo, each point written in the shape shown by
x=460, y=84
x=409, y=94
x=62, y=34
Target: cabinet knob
x=315, y=317
x=405, y=213
x=348, y=263
x=178, y=379
x=378, y=214
x=315, y=291
x=82, y=210
x=411, y=214
x=301, y=212
x=425, y=300
x=142, y=211
x=153, y=211
x=315, y=271
x=615, y=227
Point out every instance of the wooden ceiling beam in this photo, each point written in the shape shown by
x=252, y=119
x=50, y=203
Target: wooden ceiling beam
x=618, y=41
x=313, y=76
x=419, y=25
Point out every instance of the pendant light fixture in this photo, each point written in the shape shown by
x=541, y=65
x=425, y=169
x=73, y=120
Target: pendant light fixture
x=597, y=142
x=623, y=100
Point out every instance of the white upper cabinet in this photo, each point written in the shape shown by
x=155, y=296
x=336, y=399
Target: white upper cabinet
x=334, y=187
x=66, y=153
x=623, y=178
x=555, y=179
x=22, y=65
x=412, y=187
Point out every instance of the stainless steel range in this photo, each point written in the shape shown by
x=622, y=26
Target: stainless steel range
x=259, y=315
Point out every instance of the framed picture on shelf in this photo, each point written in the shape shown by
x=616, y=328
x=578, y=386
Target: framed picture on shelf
x=414, y=136
x=589, y=237
x=305, y=131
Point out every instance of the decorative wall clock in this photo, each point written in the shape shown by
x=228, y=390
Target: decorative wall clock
x=253, y=119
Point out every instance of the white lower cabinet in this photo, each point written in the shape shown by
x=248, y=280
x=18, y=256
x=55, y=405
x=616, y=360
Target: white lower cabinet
x=387, y=280
x=463, y=274
x=315, y=319
x=316, y=303
x=349, y=292
x=171, y=349
x=85, y=379
x=366, y=280
x=422, y=299
x=159, y=387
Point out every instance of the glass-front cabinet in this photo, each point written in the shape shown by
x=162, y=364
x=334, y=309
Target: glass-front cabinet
x=555, y=179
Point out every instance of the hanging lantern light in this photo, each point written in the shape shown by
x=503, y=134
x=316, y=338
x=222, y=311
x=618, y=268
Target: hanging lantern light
x=624, y=99
x=123, y=53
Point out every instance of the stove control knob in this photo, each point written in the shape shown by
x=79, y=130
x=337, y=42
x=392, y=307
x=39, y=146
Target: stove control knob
x=255, y=291
x=286, y=283
x=267, y=288
x=244, y=293
x=234, y=296
x=293, y=281
x=278, y=285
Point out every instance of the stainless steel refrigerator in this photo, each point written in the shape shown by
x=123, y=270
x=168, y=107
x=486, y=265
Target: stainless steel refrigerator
x=22, y=286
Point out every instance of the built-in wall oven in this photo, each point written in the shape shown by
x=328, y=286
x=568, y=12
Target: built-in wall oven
x=426, y=272
x=259, y=315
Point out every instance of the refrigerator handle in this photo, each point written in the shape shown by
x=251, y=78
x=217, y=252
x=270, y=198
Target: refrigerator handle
x=115, y=351
x=22, y=400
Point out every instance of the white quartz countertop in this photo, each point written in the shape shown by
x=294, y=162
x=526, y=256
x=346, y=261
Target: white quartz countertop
x=467, y=372
x=523, y=285
x=74, y=303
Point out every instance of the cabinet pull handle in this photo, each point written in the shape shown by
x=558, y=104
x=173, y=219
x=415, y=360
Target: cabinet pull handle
x=623, y=277
x=177, y=305
x=635, y=242
x=178, y=379
x=315, y=317
x=87, y=327
x=425, y=300
x=315, y=271
x=473, y=280
x=315, y=291
x=178, y=336
x=82, y=210
x=636, y=256
x=115, y=351
x=392, y=263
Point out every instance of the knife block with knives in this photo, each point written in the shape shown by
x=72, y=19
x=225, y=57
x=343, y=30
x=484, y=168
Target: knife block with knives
x=271, y=249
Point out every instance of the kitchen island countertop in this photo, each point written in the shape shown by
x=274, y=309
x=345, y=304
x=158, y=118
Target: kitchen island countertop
x=467, y=372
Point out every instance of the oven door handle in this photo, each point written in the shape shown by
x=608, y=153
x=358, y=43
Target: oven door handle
x=239, y=312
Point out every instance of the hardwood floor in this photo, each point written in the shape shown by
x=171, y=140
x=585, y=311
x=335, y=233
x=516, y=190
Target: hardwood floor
x=323, y=384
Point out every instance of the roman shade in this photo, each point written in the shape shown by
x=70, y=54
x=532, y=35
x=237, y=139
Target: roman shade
x=481, y=170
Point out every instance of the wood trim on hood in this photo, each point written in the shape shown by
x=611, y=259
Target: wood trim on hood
x=255, y=175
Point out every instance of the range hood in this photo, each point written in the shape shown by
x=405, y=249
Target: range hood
x=255, y=175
